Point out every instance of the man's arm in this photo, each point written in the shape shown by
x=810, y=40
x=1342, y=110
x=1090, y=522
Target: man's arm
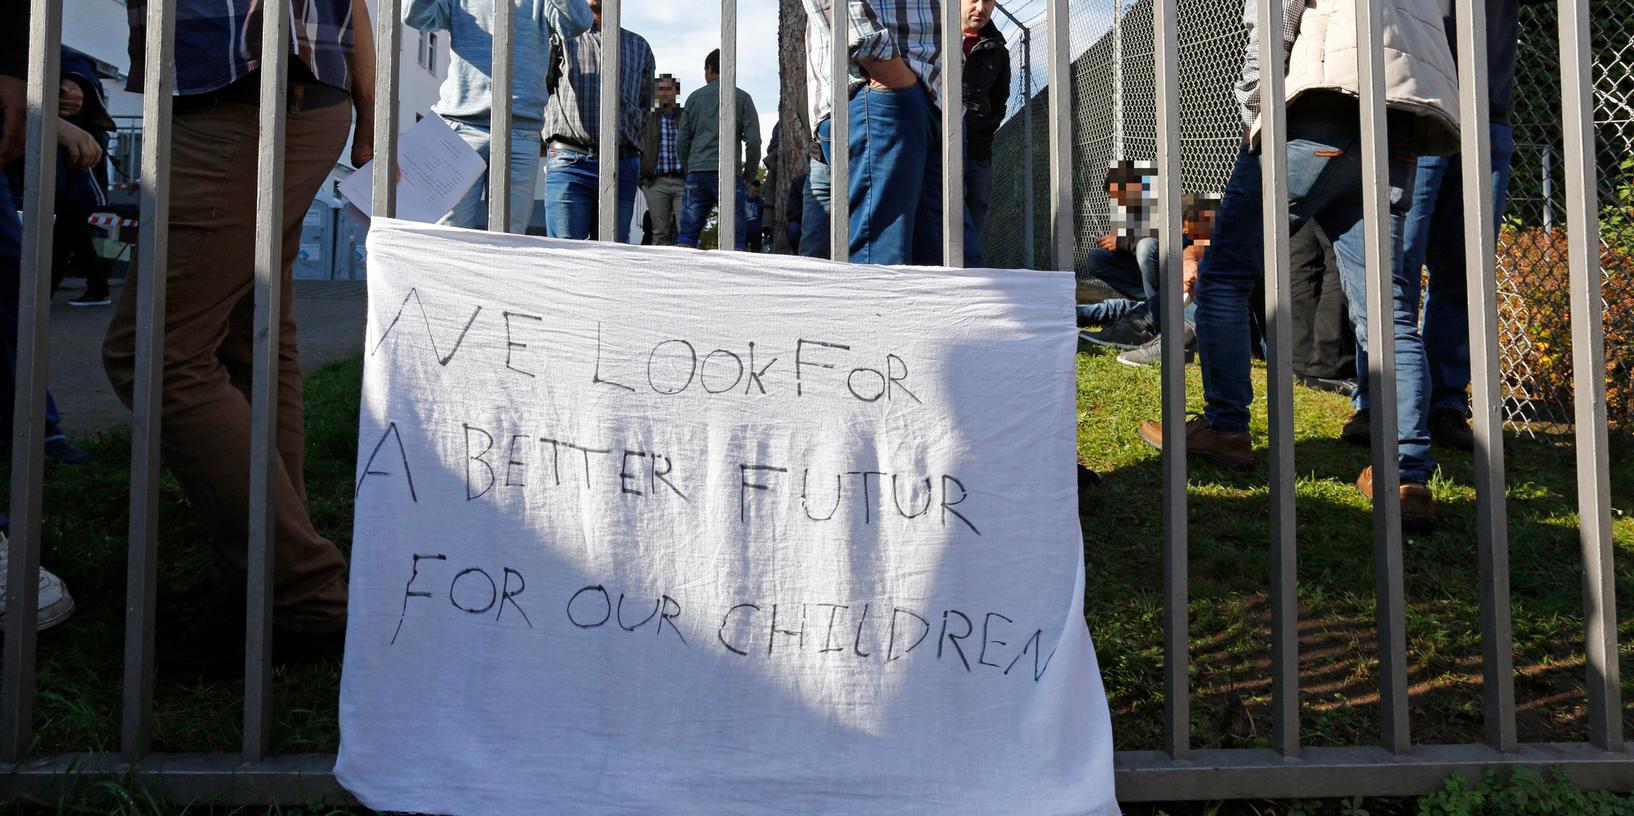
x=683, y=134
x=750, y=122
x=361, y=62
x=428, y=15
x=569, y=18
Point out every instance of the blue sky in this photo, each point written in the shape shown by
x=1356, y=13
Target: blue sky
x=683, y=32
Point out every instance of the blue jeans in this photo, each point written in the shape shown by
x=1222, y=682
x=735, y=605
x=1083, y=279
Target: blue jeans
x=571, y=182
x=471, y=211
x=896, y=177
x=703, y=193
x=11, y=270
x=1324, y=183
x=978, y=195
x=1434, y=238
x=814, y=213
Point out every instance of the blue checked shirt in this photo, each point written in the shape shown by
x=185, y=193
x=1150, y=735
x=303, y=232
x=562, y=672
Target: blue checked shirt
x=669, y=123
x=218, y=42
x=573, y=111
x=879, y=30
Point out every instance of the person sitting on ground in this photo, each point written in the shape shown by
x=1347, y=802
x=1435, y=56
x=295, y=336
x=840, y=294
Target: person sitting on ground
x=1197, y=228
x=1124, y=260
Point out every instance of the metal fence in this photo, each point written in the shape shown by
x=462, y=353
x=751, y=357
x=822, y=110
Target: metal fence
x=1114, y=117
x=1287, y=769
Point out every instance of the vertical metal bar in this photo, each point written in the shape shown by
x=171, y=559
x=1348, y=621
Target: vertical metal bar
x=388, y=47
x=1117, y=80
x=28, y=419
x=142, y=570
x=1381, y=347
x=1058, y=41
x=726, y=233
x=1589, y=377
x=953, y=129
x=499, y=124
x=1548, y=187
x=839, y=131
x=607, y=209
x=269, y=249
x=1279, y=383
x=1176, y=646
x=1031, y=256
x=1480, y=253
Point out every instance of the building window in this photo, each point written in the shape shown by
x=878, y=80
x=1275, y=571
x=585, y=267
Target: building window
x=428, y=51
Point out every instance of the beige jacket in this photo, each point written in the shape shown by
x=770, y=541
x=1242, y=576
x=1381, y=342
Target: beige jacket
x=1420, y=80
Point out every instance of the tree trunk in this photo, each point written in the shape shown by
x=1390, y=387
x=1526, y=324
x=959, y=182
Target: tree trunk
x=791, y=115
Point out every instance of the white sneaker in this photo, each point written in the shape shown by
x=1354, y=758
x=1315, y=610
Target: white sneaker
x=56, y=605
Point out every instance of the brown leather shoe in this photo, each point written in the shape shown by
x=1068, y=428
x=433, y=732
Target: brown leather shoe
x=1227, y=450
x=1358, y=429
x=1417, y=505
x=1450, y=429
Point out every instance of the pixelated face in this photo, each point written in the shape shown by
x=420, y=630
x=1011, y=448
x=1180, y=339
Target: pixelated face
x=977, y=13
x=1199, y=225
x=668, y=90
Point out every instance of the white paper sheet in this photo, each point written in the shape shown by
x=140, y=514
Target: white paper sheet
x=435, y=167
x=653, y=530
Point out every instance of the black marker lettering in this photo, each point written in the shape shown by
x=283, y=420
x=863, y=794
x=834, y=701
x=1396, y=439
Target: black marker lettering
x=894, y=381
x=745, y=485
x=442, y=361
x=851, y=384
x=506, y=595
x=703, y=372
x=800, y=362
x=987, y=620
x=867, y=495
x=945, y=637
x=606, y=601
x=692, y=363
x=478, y=458
x=391, y=431
x=596, y=377
x=890, y=646
x=493, y=591
x=947, y=506
x=620, y=615
x=726, y=620
x=801, y=634
x=833, y=612
x=512, y=344
x=667, y=615
x=624, y=475
x=756, y=374
x=408, y=588
x=511, y=462
x=805, y=495
x=1033, y=645
x=856, y=645
x=897, y=497
x=658, y=476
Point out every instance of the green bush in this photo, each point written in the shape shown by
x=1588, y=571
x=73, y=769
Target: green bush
x=1524, y=793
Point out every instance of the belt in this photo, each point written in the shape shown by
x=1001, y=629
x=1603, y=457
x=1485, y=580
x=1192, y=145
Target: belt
x=304, y=93
x=554, y=143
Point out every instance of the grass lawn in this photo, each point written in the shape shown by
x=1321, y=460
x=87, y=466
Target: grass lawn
x=85, y=528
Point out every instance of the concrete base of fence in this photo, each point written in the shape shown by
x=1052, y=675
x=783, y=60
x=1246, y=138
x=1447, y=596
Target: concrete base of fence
x=1142, y=776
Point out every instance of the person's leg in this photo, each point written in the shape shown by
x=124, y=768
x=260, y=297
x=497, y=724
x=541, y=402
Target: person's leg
x=628, y=168
x=740, y=216
x=570, y=193
x=471, y=211
x=1419, y=229
x=814, y=213
x=1341, y=218
x=890, y=142
x=700, y=199
x=1233, y=262
x=524, y=177
x=205, y=416
x=1118, y=270
x=1305, y=271
x=927, y=216
x=1108, y=312
x=978, y=197
x=663, y=197
x=1335, y=337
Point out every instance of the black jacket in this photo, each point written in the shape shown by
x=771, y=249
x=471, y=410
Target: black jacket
x=986, y=91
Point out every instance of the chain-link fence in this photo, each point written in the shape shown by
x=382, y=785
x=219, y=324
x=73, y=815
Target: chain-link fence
x=1114, y=117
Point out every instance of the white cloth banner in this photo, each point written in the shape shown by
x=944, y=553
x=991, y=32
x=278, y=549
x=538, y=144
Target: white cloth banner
x=647, y=530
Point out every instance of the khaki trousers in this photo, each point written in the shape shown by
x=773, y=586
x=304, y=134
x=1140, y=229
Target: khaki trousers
x=664, y=198
x=208, y=337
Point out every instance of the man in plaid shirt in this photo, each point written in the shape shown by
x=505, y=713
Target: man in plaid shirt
x=895, y=114
x=662, y=177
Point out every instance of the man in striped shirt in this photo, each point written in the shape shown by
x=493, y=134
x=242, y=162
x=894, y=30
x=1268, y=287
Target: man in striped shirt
x=895, y=135
x=572, y=130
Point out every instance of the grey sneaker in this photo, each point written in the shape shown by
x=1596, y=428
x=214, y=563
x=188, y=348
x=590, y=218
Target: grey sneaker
x=1151, y=353
x=56, y=605
x=1128, y=333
